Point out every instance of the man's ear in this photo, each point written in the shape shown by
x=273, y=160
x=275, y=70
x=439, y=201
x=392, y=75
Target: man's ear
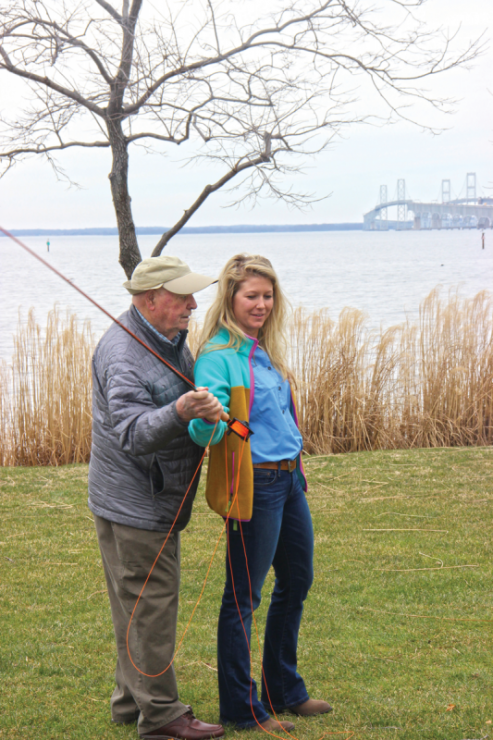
x=150, y=299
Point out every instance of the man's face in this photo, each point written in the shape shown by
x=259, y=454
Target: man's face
x=169, y=313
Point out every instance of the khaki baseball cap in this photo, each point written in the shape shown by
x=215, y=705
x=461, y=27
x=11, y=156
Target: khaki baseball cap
x=166, y=272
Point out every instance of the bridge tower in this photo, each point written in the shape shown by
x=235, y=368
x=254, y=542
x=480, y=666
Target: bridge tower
x=445, y=191
x=383, y=211
x=471, y=186
x=401, y=195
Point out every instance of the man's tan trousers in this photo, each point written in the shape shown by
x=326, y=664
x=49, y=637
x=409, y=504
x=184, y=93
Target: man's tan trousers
x=128, y=554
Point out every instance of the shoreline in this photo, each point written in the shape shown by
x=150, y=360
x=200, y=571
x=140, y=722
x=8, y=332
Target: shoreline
x=235, y=229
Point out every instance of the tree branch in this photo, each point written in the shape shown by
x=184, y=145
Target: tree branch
x=110, y=9
x=46, y=82
x=45, y=149
x=81, y=45
x=187, y=215
x=157, y=137
x=221, y=57
x=123, y=75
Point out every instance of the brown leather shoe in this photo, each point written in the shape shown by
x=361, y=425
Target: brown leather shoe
x=186, y=727
x=311, y=707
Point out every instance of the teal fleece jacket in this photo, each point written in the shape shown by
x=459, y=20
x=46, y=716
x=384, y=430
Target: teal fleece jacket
x=228, y=373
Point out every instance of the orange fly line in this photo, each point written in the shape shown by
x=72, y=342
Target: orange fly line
x=234, y=426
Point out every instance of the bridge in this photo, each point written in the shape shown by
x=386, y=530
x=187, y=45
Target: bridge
x=471, y=212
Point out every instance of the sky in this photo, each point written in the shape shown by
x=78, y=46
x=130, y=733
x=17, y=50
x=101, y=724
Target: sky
x=350, y=172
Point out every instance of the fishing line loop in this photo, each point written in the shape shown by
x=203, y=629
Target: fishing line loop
x=235, y=426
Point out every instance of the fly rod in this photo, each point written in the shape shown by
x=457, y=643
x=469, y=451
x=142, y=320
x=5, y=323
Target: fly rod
x=240, y=428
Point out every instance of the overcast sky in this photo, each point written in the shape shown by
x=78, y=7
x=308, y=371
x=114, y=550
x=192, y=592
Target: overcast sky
x=352, y=170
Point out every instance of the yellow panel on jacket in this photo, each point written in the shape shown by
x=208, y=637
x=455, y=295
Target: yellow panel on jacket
x=229, y=486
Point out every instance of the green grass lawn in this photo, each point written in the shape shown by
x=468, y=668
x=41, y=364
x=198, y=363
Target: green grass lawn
x=397, y=631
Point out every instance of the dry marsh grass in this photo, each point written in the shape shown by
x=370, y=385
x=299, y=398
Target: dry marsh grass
x=45, y=394
x=423, y=384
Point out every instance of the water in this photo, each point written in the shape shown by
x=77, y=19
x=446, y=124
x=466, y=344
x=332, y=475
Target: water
x=385, y=274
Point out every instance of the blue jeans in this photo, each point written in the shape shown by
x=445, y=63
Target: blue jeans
x=280, y=533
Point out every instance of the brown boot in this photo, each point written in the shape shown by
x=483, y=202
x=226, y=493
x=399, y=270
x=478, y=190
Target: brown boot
x=273, y=725
x=311, y=707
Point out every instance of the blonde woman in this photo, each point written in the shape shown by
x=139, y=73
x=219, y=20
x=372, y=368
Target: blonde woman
x=258, y=486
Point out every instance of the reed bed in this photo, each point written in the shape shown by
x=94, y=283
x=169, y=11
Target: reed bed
x=45, y=394
x=422, y=384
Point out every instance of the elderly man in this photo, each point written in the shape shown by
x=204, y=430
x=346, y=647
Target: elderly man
x=142, y=462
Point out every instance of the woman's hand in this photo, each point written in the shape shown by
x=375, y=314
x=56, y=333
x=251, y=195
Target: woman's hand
x=199, y=404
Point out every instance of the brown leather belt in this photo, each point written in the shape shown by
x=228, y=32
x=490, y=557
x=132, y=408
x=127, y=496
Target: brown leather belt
x=283, y=464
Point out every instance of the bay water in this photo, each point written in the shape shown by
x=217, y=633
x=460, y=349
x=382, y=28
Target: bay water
x=384, y=274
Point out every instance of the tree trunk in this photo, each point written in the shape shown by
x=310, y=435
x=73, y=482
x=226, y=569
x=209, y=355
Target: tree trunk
x=129, y=249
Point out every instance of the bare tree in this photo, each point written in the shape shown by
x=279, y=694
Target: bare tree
x=258, y=96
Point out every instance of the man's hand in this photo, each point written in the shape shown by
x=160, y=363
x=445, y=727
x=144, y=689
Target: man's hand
x=199, y=404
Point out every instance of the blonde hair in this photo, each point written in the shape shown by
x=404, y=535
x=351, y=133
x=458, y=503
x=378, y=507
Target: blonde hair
x=271, y=336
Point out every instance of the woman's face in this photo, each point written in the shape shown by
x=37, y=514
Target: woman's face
x=253, y=303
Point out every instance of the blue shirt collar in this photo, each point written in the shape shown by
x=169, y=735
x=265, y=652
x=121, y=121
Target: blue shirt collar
x=160, y=336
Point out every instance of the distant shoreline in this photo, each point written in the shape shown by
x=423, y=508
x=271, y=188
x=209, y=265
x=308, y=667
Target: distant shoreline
x=239, y=229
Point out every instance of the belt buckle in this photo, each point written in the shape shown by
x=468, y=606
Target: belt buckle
x=291, y=465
